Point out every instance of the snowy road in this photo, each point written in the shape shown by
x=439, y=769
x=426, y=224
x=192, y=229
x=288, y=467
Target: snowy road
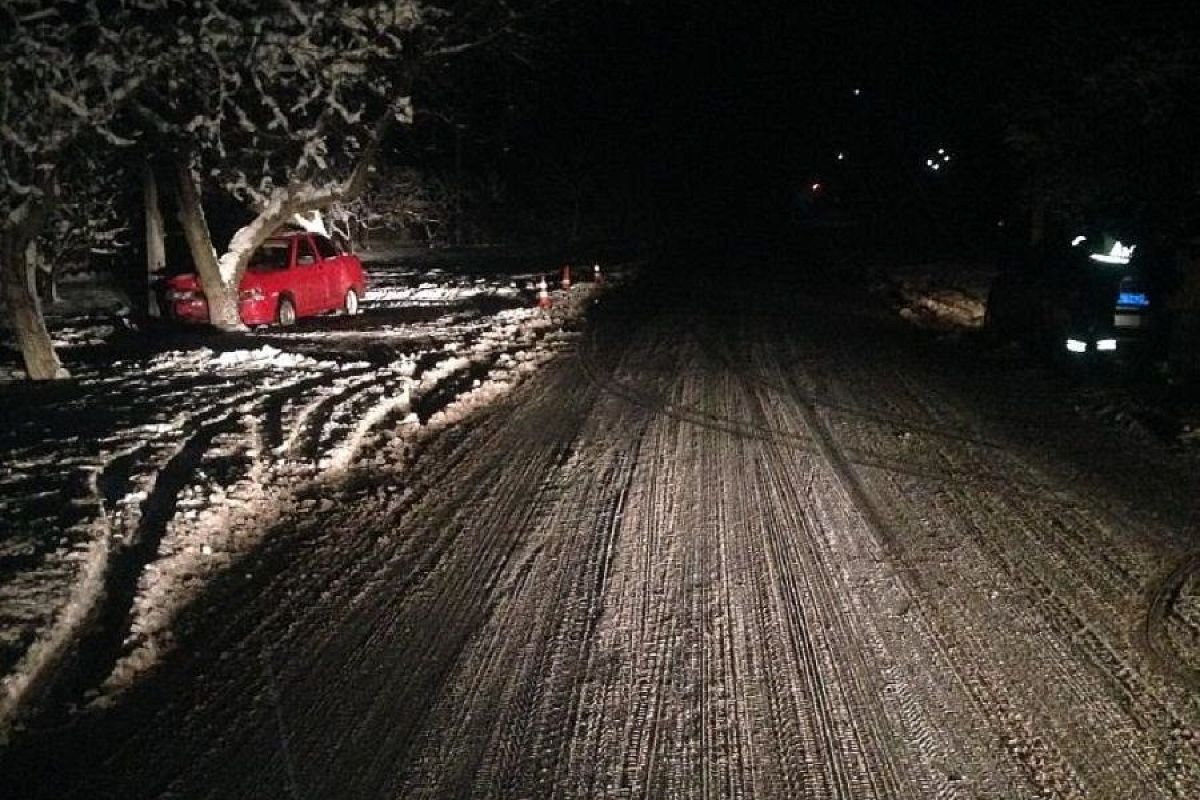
x=758, y=548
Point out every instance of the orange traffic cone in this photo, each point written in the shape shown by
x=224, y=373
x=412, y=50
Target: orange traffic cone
x=543, y=296
x=566, y=278
x=597, y=275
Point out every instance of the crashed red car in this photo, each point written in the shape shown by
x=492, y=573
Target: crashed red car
x=293, y=274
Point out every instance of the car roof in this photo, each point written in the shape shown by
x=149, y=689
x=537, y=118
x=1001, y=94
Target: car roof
x=290, y=233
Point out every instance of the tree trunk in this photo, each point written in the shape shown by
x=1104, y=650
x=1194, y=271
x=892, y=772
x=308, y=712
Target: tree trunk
x=43, y=276
x=156, y=246
x=222, y=297
x=25, y=311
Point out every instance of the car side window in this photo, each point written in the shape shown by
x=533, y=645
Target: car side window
x=271, y=255
x=304, y=252
x=326, y=248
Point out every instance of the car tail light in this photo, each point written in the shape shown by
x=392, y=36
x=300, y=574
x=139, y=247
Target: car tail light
x=251, y=294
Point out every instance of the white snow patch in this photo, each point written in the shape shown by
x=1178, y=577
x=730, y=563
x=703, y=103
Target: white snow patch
x=341, y=458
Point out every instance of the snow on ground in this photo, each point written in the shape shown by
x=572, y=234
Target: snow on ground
x=940, y=296
x=161, y=462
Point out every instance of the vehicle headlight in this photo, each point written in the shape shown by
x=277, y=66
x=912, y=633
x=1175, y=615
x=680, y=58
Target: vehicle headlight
x=1076, y=346
x=1106, y=344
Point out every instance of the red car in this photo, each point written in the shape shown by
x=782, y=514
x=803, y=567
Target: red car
x=293, y=274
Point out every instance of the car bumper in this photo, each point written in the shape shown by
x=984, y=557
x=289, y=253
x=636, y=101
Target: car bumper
x=258, y=312
x=195, y=310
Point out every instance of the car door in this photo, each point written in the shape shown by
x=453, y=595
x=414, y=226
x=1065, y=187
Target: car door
x=332, y=269
x=311, y=294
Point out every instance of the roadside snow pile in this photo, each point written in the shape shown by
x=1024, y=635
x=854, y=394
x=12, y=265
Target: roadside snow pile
x=263, y=356
x=393, y=285
x=204, y=359
x=940, y=296
x=86, y=334
x=436, y=294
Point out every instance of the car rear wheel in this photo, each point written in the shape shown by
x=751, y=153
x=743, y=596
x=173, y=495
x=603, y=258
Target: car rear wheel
x=286, y=314
x=350, y=304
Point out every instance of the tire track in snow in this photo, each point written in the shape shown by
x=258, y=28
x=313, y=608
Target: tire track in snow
x=1152, y=631
x=1044, y=765
x=1114, y=669
x=1072, y=553
x=817, y=716
x=866, y=457
x=889, y=762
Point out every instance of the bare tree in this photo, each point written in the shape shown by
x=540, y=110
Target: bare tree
x=67, y=77
x=288, y=107
x=284, y=105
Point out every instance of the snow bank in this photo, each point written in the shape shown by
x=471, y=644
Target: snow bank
x=941, y=296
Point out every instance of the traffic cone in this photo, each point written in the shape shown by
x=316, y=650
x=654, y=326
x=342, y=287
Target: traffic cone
x=566, y=278
x=543, y=296
x=597, y=275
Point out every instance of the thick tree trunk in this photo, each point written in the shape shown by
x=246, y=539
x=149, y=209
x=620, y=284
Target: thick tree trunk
x=24, y=311
x=222, y=297
x=156, y=247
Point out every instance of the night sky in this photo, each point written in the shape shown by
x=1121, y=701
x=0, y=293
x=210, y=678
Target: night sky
x=726, y=113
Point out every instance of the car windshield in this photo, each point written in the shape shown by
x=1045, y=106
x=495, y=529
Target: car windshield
x=272, y=254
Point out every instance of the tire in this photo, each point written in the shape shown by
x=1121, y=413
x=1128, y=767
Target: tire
x=285, y=315
x=350, y=303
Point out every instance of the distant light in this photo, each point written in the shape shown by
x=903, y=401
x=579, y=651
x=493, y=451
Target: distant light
x=857, y=92
x=1120, y=254
x=816, y=187
x=936, y=160
x=841, y=156
x=1106, y=344
x=1076, y=346
x=1078, y=240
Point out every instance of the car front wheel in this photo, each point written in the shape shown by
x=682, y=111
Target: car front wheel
x=350, y=304
x=286, y=315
